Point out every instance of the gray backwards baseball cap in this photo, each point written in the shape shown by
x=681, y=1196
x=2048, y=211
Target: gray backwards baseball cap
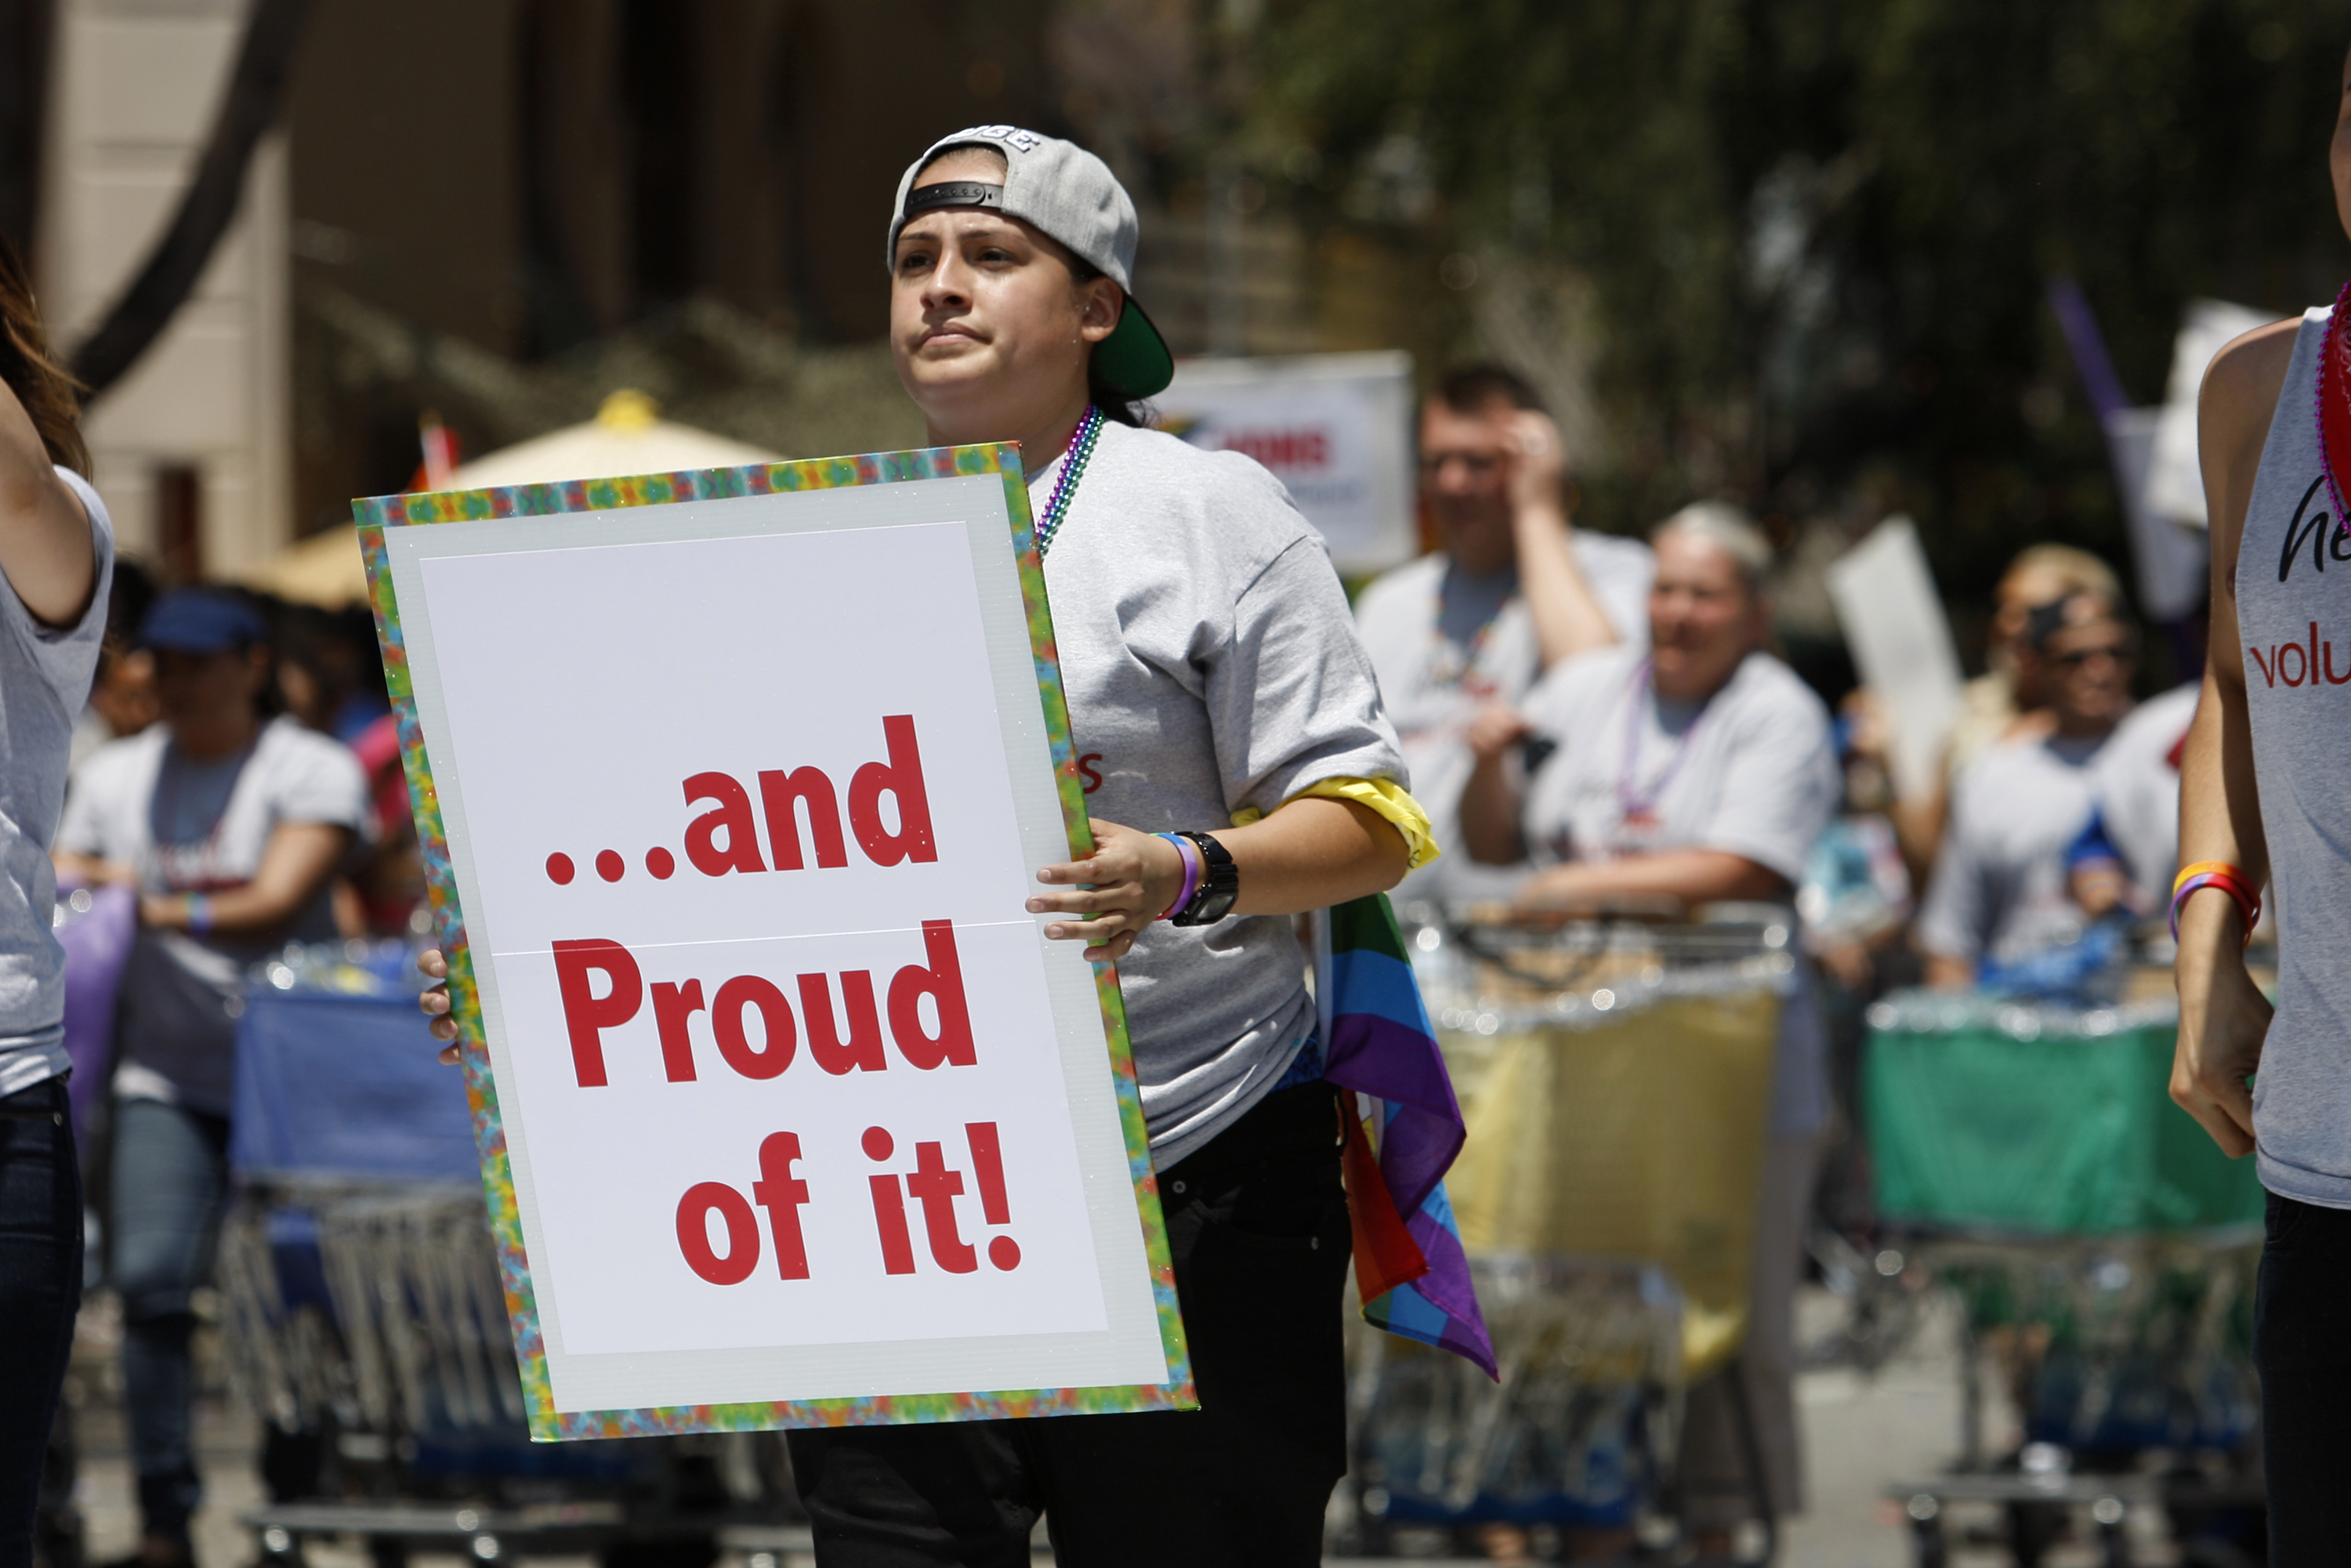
x=1068, y=192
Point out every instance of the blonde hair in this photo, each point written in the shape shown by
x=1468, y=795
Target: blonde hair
x=2076, y=571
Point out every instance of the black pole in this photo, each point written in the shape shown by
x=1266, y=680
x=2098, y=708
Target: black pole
x=256, y=90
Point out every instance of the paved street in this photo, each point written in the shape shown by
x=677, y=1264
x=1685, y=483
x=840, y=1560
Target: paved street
x=1860, y=1436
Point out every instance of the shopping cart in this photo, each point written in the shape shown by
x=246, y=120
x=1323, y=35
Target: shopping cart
x=2101, y=1247
x=362, y=1308
x=1614, y=1075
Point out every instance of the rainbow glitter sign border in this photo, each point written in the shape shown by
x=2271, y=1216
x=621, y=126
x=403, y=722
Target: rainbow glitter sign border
x=374, y=514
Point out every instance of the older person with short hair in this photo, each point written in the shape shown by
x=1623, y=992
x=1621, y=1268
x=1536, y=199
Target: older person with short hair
x=1699, y=770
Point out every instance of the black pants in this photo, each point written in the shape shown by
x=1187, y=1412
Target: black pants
x=2302, y=1341
x=1257, y=1225
x=40, y=1291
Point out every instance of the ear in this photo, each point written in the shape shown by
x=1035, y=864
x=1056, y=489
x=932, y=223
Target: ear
x=1100, y=301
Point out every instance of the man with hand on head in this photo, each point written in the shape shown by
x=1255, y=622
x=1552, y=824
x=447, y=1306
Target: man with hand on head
x=1516, y=589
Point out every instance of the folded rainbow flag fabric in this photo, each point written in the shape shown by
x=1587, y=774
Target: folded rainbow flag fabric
x=1377, y=1040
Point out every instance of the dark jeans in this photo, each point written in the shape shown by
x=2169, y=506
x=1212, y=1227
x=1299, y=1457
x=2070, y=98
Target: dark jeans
x=169, y=1180
x=2301, y=1342
x=40, y=1291
x=1257, y=1222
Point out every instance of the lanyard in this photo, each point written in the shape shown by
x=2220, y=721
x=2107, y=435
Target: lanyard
x=1639, y=806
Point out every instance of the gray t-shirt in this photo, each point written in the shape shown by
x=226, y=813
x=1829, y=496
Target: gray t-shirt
x=192, y=826
x=45, y=675
x=1210, y=666
x=2291, y=567
x=2000, y=878
x=1446, y=644
x=1752, y=772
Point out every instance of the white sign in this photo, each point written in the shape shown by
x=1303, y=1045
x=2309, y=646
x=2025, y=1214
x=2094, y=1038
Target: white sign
x=1334, y=428
x=1901, y=643
x=743, y=798
x=2175, y=484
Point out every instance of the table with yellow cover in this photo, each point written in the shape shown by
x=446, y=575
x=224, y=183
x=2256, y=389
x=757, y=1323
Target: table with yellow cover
x=1615, y=1079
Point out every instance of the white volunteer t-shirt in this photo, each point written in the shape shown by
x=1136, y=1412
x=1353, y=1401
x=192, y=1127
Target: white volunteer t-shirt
x=178, y=1026
x=1751, y=772
x=1446, y=644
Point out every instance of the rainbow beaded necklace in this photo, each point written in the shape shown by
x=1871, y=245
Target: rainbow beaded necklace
x=1065, y=486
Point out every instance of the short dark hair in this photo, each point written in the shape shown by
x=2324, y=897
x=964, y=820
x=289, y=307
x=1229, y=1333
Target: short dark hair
x=1473, y=388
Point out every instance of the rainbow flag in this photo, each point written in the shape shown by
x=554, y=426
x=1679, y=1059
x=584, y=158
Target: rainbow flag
x=1377, y=1040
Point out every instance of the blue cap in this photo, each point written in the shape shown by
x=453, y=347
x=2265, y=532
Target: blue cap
x=200, y=621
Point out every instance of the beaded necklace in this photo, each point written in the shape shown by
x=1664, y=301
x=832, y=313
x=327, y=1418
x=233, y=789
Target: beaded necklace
x=2334, y=400
x=1638, y=805
x=1065, y=486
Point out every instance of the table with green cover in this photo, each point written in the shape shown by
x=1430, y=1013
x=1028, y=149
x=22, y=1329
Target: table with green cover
x=2007, y=1117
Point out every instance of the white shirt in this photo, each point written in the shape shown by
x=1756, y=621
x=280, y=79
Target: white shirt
x=1446, y=644
x=178, y=1023
x=1751, y=772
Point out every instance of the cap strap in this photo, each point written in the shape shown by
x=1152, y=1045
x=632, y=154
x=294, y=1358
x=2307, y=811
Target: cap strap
x=953, y=193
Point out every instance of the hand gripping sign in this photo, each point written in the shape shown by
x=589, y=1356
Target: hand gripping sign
x=731, y=787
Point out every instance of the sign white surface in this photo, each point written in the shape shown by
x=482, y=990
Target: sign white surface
x=743, y=798
x=2175, y=483
x=1334, y=428
x=1901, y=643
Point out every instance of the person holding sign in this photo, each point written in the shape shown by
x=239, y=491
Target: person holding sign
x=56, y=552
x=1240, y=770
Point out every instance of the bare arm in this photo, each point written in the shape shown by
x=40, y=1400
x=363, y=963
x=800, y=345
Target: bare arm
x=1308, y=854
x=1693, y=876
x=45, y=545
x=1568, y=616
x=298, y=859
x=1490, y=829
x=2224, y=1017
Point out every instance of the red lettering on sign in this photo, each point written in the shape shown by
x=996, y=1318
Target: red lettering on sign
x=1302, y=448
x=774, y=1052
x=862, y=1048
x=901, y=777
x=778, y=790
x=936, y=1188
x=673, y=1006
x=734, y=814
x=782, y=1193
x=693, y=1211
x=587, y=1015
x=943, y=983
x=1092, y=777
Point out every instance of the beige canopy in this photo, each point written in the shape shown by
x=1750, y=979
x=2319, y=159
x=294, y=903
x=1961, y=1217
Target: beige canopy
x=626, y=437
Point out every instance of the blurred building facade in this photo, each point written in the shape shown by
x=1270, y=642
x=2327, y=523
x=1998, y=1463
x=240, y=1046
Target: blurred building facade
x=499, y=210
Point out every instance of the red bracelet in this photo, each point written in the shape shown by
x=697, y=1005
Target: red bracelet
x=2231, y=880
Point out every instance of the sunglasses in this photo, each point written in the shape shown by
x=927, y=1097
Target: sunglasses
x=2120, y=652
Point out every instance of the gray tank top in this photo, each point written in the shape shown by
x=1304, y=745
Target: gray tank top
x=2294, y=586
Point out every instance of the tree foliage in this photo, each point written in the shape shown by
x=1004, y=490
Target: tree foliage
x=1813, y=237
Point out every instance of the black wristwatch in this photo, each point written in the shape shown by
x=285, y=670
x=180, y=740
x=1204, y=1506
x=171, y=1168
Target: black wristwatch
x=1220, y=884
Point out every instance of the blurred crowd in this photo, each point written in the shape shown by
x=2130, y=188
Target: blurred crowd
x=1600, y=726
x=238, y=775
